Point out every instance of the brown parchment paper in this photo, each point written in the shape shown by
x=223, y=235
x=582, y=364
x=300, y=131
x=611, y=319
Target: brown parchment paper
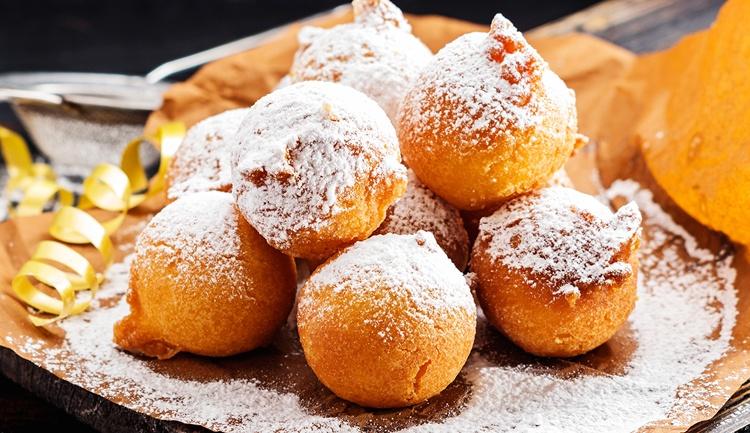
x=608, y=108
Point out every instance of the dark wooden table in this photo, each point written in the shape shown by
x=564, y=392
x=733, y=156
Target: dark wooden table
x=20, y=411
x=639, y=25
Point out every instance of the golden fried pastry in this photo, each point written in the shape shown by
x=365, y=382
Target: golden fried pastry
x=201, y=163
x=389, y=322
x=487, y=119
x=556, y=270
x=203, y=281
x=315, y=168
x=376, y=54
x=420, y=209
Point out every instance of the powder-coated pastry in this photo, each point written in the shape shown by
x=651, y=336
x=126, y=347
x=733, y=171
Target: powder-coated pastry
x=201, y=163
x=556, y=270
x=487, y=119
x=376, y=54
x=389, y=322
x=315, y=167
x=204, y=281
x=421, y=209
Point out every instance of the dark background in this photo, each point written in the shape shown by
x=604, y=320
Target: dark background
x=135, y=36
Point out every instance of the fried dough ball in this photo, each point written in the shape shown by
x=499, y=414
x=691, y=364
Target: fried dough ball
x=316, y=166
x=420, y=209
x=556, y=270
x=203, y=281
x=376, y=54
x=201, y=163
x=487, y=119
x=389, y=322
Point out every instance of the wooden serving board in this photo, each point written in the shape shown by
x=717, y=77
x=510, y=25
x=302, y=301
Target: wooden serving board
x=639, y=25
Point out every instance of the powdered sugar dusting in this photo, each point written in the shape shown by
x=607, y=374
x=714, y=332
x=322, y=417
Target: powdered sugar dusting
x=201, y=163
x=560, y=178
x=301, y=149
x=377, y=54
x=230, y=406
x=567, y=236
x=413, y=264
x=379, y=13
x=198, y=231
x=490, y=83
x=422, y=209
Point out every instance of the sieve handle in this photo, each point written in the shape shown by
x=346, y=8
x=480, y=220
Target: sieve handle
x=189, y=62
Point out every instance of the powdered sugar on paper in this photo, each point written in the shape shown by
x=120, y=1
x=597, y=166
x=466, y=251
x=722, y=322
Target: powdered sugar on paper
x=681, y=305
x=229, y=406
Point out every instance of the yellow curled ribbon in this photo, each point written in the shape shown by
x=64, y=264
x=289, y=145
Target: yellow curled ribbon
x=54, y=264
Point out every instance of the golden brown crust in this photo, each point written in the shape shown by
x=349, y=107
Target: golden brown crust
x=529, y=309
x=214, y=306
x=421, y=209
x=359, y=365
x=487, y=120
x=380, y=345
x=481, y=179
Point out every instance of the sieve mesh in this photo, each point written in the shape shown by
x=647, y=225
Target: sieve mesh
x=75, y=138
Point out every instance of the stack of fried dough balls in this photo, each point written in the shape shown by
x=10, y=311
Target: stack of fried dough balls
x=487, y=119
x=203, y=281
x=314, y=170
x=376, y=54
x=388, y=322
x=557, y=270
